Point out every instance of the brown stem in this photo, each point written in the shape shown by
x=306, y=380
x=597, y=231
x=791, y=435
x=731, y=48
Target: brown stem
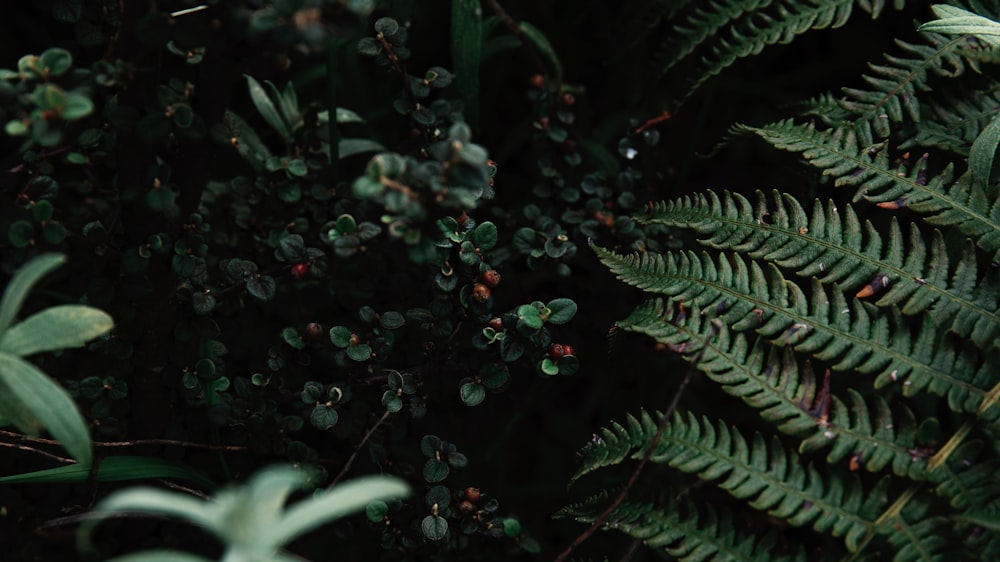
x=513, y=26
x=357, y=449
x=661, y=428
x=63, y=460
x=132, y=443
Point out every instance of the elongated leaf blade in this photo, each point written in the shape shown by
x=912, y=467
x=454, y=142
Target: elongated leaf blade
x=342, y=500
x=350, y=147
x=150, y=500
x=466, y=49
x=43, y=403
x=113, y=469
x=265, y=106
x=543, y=45
x=54, y=328
x=21, y=283
x=160, y=556
x=983, y=154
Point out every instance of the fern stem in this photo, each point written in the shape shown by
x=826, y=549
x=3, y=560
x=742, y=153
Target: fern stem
x=653, y=444
x=948, y=448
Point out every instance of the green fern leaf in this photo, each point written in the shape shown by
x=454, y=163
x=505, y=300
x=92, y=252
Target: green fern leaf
x=758, y=29
x=849, y=155
x=762, y=473
x=893, y=94
x=855, y=336
x=835, y=247
x=682, y=532
x=785, y=393
x=703, y=24
x=957, y=121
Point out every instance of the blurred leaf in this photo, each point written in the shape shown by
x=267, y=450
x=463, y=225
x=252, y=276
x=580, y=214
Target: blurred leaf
x=113, y=469
x=466, y=49
x=349, y=147
x=541, y=43
x=31, y=400
x=18, y=287
x=54, y=328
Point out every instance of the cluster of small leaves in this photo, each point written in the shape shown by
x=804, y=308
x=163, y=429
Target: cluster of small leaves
x=447, y=513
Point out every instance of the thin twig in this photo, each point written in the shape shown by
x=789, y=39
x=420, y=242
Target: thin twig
x=519, y=33
x=357, y=449
x=37, y=452
x=135, y=443
x=664, y=421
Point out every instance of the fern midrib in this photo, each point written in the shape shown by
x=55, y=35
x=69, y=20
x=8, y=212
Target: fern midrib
x=913, y=185
x=910, y=76
x=813, y=323
x=758, y=36
x=762, y=382
x=881, y=266
x=819, y=502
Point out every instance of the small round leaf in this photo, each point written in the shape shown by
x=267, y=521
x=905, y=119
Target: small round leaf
x=434, y=527
x=472, y=393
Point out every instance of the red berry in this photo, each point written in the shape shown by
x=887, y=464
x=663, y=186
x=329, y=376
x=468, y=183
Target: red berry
x=480, y=292
x=472, y=494
x=538, y=81
x=466, y=507
x=568, y=351
x=300, y=270
x=314, y=330
x=556, y=351
x=496, y=323
x=491, y=277
x=568, y=99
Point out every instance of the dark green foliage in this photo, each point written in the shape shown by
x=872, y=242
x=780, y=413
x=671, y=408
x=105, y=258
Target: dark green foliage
x=375, y=236
x=913, y=306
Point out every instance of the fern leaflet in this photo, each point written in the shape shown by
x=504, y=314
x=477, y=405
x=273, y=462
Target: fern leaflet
x=762, y=473
x=853, y=336
x=836, y=247
x=683, y=533
x=894, y=85
x=785, y=393
x=848, y=154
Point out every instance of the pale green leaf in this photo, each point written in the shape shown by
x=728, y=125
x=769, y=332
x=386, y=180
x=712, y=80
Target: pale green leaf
x=341, y=500
x=54, y=328
x=43, y=403
x=18, y=287
x=160, y=556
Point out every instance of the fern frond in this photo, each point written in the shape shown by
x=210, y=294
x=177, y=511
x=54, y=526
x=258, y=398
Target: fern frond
x=703, y=24
x=849, y=155
x=785, y=393
x=756, y=30
x=854, y=336
x=837, y=248
x=678, y=529
x=762, y=473
x=894, y=85
x=957, y=121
